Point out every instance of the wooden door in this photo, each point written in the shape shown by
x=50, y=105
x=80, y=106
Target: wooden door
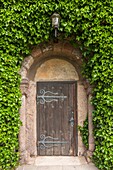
x=56, y=118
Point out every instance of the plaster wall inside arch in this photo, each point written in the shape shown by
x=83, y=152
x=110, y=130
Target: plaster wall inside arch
x=56, y=69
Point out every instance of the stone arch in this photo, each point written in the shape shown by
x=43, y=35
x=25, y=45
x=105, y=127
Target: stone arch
x=42, y=56
x=62, y=50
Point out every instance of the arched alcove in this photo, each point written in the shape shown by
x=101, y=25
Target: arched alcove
x=51, y=62
x=56, y=70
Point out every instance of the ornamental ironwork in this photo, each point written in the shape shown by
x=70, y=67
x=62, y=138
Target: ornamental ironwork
x=47, y=142
x=48, y=96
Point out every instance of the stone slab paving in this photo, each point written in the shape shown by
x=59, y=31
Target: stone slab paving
x=76, y=167
x=58, y=163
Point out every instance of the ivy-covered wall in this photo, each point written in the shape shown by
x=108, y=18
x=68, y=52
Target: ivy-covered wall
x=27, y=23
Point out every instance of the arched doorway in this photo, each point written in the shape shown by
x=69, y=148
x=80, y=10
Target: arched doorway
x=56, y=108
x=54, y=102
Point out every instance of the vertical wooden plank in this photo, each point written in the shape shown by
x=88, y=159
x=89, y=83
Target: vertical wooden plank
x=71, y=116
x=65, y=120
x=42, y=120
x=38, y=126
x=49, y=122
x=55, y=121
x=75, y=116
x=38, y=112
x=62, y=122
x=61, y=110
x=70, y=129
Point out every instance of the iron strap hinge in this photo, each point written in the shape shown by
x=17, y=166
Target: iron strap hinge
x=48, y=96
x=44, y=143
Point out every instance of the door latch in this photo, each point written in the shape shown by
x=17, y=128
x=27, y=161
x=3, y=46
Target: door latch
x=72, y=121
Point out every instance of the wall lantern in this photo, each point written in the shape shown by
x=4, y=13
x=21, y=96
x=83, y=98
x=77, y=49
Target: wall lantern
x=55, y=23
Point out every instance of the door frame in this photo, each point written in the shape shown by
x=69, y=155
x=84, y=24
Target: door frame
x=75, y=129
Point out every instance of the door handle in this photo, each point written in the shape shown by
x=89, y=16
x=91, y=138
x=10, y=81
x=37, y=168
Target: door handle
x=72, y=121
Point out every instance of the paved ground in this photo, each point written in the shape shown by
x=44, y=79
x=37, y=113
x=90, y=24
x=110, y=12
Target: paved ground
x=58, y=163
x=78, y=167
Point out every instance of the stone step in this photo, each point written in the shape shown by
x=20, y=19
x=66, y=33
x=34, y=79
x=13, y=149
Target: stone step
x=58, y=167
x=57, y=163
x=59, y=160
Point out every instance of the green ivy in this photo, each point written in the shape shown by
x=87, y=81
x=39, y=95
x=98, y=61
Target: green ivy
x=24, y=23
x=84, y=132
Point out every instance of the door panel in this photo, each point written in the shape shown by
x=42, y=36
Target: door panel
x=56, y=118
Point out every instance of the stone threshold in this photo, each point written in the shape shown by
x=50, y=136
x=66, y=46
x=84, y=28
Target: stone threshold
x=57, y=160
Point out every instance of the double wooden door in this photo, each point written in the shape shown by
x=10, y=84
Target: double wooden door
x=56, y=118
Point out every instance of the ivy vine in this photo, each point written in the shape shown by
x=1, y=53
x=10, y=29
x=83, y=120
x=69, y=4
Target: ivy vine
x=84, y=132
x=26, y=23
